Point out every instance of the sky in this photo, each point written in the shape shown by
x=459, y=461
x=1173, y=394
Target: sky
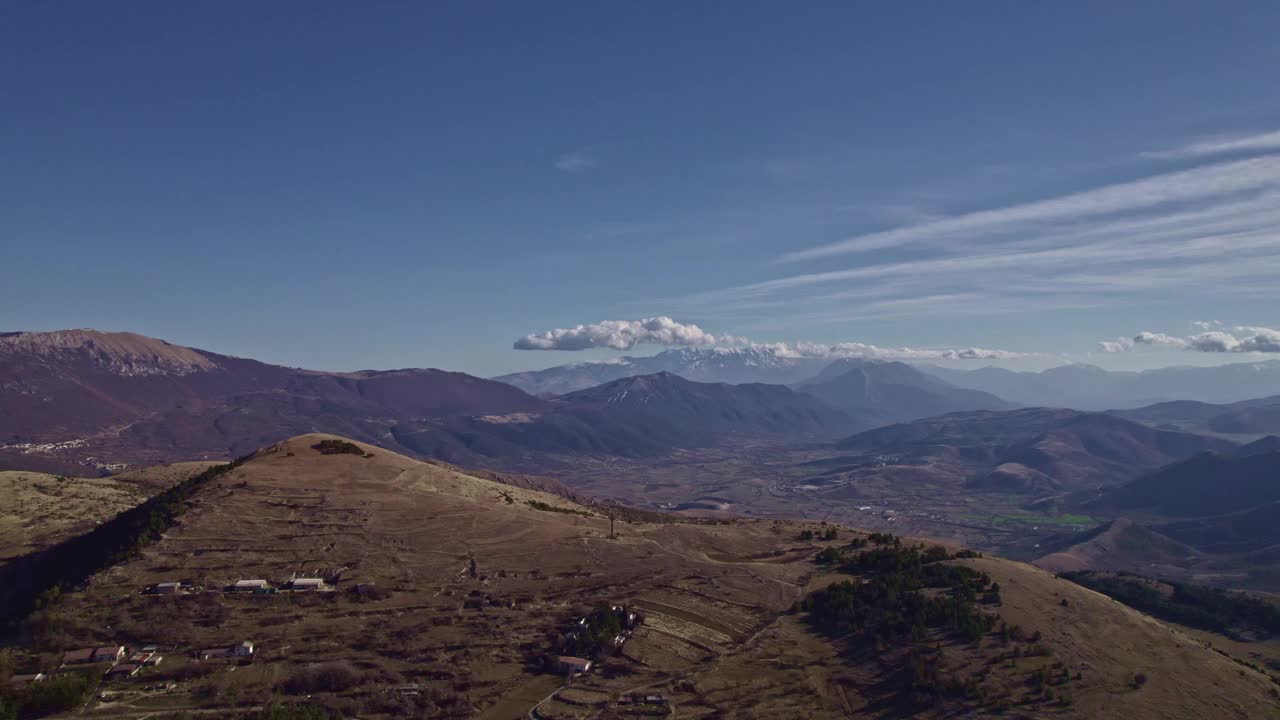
x=378, y=185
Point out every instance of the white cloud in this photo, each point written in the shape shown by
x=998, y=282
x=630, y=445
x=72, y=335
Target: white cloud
x=624, y=335
x=576, y=161
x=1195, y=185
x=1240, y=339
x=1262, y=142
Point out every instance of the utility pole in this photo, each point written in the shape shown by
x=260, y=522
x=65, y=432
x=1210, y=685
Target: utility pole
x=612, y=514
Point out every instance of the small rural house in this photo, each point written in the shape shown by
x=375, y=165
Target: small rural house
x=573, y=666
x=145, y=658
x=110, y=653
x=77, y=657
x=27, y=679
x=123, y=670
x=243, y=650
x=168, y=588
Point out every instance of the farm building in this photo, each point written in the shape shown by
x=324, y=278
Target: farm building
x=27, y=679
x=250, y=586
x=573, y=665
x=167, y=588
x=244, y=649
x=307, y=584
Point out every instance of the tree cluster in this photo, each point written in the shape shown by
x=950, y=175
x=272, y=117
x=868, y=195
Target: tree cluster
x=1198, y=606
x=889, y=602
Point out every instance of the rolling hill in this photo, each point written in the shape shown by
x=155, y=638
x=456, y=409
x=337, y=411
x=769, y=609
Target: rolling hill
x=1211, y=517
x=1034, y=449
x=1255, y=416
x=451, y=591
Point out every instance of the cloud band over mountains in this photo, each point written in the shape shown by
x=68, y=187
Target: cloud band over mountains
x=624, y=335
x=1239, y=339
x=662, y=330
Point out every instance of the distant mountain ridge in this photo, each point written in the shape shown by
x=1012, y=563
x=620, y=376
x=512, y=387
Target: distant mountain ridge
x=1086, y=387
x=752, y=364
x=893, y=392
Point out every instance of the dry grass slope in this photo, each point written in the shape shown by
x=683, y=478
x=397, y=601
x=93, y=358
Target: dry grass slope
x=478, y=577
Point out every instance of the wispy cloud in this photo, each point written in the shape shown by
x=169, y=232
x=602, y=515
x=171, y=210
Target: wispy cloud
x=1187, y=186
x=1213, y=231
x=1240, y=339
x=1261, y=142
x=577, y=161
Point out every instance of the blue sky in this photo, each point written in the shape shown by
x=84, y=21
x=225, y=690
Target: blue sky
x=420, y=184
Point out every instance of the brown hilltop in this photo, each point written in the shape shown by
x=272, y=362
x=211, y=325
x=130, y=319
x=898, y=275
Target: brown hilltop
x=719, y=637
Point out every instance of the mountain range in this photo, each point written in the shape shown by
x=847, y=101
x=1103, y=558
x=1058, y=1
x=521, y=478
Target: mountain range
x=1076, y=386
x=752, y=364
x=81, y=398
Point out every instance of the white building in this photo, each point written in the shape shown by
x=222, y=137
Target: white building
x=250, y=585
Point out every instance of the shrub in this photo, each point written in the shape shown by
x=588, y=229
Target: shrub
x=333, y=676
x=337, y=447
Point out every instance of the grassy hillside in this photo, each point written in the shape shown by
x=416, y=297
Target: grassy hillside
x=38, y=509
x=462, y=587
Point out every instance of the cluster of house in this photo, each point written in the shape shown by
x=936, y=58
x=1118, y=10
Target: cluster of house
x=571, y=665
x=256, y=586
x=122, y=664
